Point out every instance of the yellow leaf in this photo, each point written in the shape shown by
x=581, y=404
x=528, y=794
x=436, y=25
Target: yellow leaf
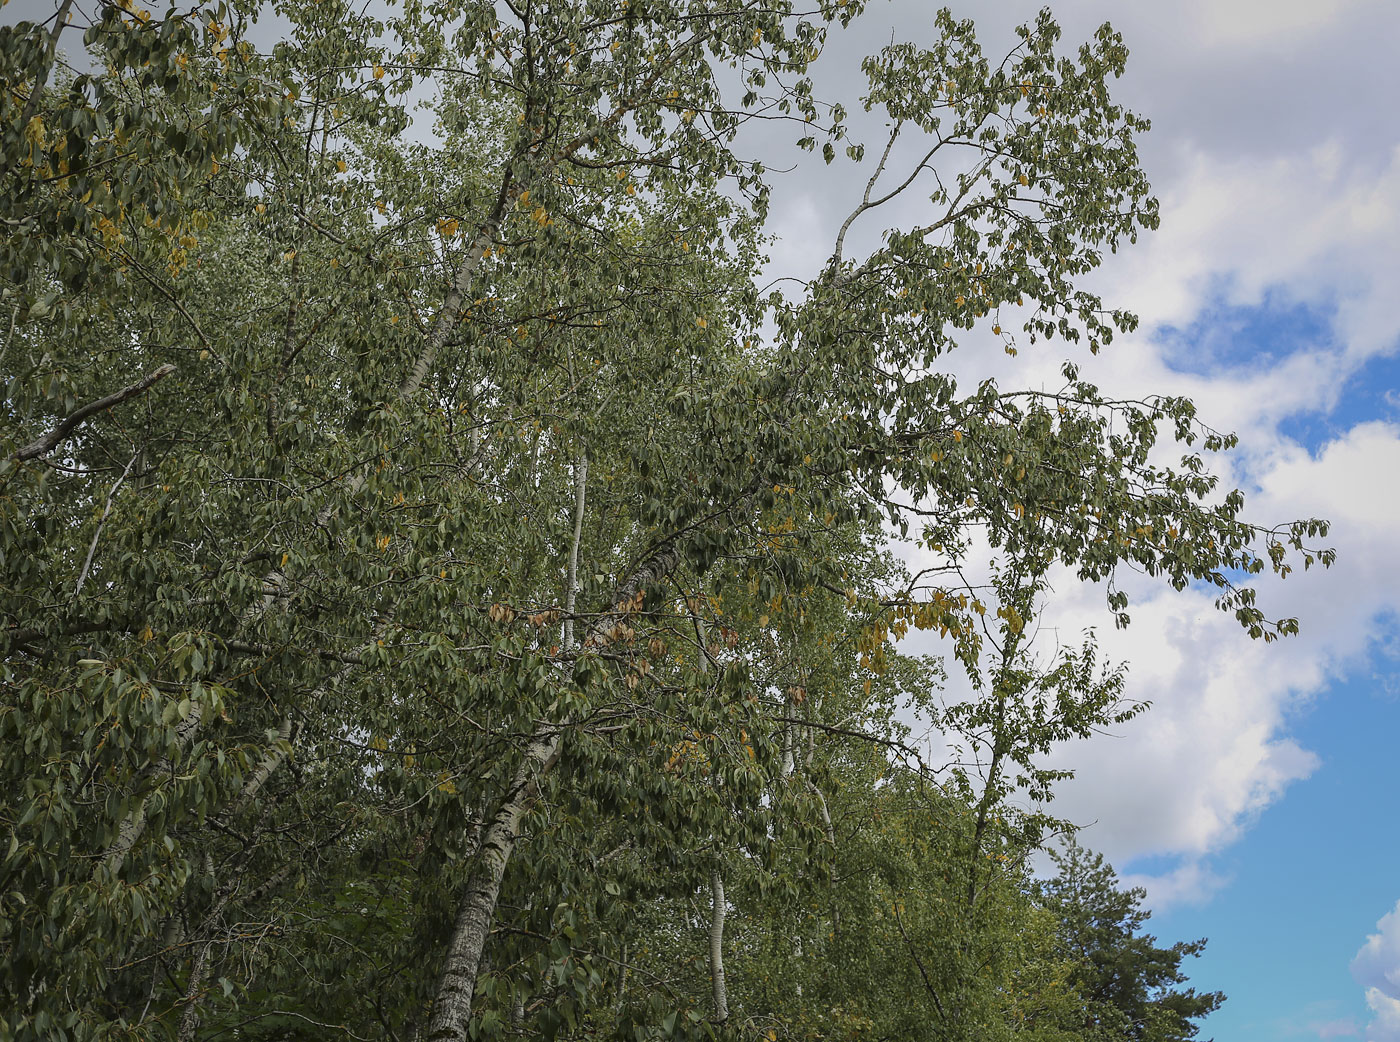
x=379, y=72
x=340, y=165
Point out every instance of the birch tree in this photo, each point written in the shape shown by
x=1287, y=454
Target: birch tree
x=414, y=516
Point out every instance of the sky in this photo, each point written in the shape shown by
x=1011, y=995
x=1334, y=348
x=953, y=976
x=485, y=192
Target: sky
x=1251, y=800
x=1254, y=800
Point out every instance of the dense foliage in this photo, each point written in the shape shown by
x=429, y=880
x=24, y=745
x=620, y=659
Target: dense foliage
x=442, y=597
x=1126, y=984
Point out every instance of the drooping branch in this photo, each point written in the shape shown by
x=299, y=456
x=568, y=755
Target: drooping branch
x=43, y=446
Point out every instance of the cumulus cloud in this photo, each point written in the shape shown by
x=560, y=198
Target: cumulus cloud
x=1214, y=751
x=1190, y=881
x=1377, y=969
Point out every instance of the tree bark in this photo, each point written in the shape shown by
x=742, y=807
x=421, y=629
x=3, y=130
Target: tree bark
x=452, y=1008
x=571, y=581
x=135, y=823
x=189, y=1019
x=717, y=914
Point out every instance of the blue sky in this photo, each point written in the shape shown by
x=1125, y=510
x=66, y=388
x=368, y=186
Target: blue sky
x=1308, y=880
x=1310, y=874
x=1254, y=800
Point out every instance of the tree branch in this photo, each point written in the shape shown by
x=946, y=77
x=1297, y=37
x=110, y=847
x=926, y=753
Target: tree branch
x=43, y=446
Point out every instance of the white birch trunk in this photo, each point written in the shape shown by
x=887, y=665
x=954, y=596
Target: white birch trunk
x=134, y=824
x=789, y=760
x=717, y=914
x=452, y=1008
x=189, y=1018
x=571, y=581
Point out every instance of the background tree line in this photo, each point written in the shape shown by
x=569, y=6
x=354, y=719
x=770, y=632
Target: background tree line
x=443, y=597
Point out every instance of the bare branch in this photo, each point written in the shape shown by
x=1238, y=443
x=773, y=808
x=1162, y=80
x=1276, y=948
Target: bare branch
x=43, y=446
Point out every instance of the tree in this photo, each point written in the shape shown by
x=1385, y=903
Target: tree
x=480, y=535
x=1127, y=984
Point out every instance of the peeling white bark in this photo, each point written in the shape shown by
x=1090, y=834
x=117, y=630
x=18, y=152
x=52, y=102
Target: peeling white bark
x=571, y=583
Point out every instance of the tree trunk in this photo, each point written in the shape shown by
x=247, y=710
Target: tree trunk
x=189, y=1019
x=135, y=823
x=717, y=913
x=452, y=1008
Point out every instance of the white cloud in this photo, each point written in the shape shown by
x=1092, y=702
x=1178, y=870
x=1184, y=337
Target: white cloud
x=1341, y=1027
x=1213, y=752
x=1377, y=969
x=1191, y=881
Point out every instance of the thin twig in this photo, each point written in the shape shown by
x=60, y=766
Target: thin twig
x=82, y=577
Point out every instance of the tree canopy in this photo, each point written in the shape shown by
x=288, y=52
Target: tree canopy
x=442, y=596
